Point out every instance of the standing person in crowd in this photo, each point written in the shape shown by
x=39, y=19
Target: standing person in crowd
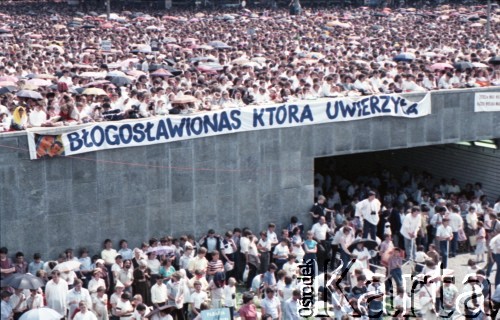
x=248, y=311
x=320, y=232
x=319, y=209
x=291, y=308
x=77, y=294
x=56, y=293
x=141, y=282
x=480, y=242
x=368, y=212
x=409, y=230
x=175, y=289
x=159, y=293
x=84, y=313
x=456, y=224
x=396, y=218
x=6, y=265
x=494, y=245
x=108, y=254
x=444, y=235
x=264, y=246
x=271, y=305
x=35, y=300
x=100, y=304
x=18, y=303
x=281, y=252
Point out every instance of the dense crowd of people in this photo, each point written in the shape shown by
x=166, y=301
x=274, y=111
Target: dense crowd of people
x=368, y=227
x=60, y=67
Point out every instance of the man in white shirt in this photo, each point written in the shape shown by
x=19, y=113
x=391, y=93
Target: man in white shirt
x=37, y=116
x=159, y=292
x=77, y=294
x=409, y=230
x=320, y=230
x=456, y=224
x=444, y=234
x=56, y=293
x=495, y=251
x=367, y=210
x=271, y=305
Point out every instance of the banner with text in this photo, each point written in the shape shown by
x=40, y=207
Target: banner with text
x=66, y=141
x=486, y=101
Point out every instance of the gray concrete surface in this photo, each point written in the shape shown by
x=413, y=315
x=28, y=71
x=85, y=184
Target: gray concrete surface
x=244, y=179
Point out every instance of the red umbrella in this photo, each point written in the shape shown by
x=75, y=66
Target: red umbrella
x=107, y=25
x=161, y=73
x=8, y=78
x=96, y=83
x=207, y=69
x=441, y=66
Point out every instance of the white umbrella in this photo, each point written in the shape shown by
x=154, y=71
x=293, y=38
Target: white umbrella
x=68, y=265
x=41, y=314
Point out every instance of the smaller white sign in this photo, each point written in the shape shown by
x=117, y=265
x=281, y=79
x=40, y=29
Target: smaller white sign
x=106, y=45
x=487, y=101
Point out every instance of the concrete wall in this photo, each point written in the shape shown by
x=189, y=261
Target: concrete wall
x=244, y=179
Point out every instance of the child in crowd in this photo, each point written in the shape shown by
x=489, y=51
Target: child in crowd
x=420, y=258
x=480, y=242
x=230, y=296
x=359, y=288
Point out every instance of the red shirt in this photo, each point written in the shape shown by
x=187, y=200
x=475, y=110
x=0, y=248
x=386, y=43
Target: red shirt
x=248, y=311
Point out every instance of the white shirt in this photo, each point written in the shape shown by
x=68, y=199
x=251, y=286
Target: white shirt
x=272, y=237
x=271, y=306
x=74, y=298
x=456, y=221
x=319, y=231
x=109, y=255
x=159, y=293
x=197, y=298
x=411, y=224
x=88, y=315
x=229, y=301
x=35, y=302
x=37, y=117
x=244, y=244
x=495, y=244
x=365, y=208
x=281, y=251
x=56, y=295
x=444, y=232
x=124, y=307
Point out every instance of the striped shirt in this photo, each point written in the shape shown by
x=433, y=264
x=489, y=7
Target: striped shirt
x=215, y=266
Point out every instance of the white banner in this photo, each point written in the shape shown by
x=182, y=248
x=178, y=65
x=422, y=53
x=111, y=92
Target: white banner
x=487, y=101
x=130, y=133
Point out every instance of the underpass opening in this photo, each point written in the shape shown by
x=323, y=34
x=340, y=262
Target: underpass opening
x=467, y=162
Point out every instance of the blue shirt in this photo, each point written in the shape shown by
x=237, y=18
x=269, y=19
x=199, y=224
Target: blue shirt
x=33, y=267
x=269, y=279
x=310, y=244
x=6, y=310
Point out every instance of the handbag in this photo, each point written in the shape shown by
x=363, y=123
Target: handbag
x=229, y=266
x=245, y=274
x=473, y=240
x=461, y=235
